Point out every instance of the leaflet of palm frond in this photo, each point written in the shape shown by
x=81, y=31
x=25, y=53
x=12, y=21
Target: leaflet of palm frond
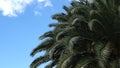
x=81, y=10
x=73, y=17
x=67, y=9
x=97, y=27
x=77, y=20
x=87, y=34
x=77, y=60
x=64, y=33
x=57, y=30
x=92, y=64
x=70, y=62
x=43, y=46
x=107, y=50
x=75, y=4
x=98, y=46
x=65, y=63
x=98, y=5
x=80, y=23
x=82, y=1
x=64, y=55
x=105, y=2
x=76, y=10
x=59, y=48
x=80, y=18
x=61, y=35
x=84, y=61
x=83, y=30
x=56, y=51
x=40, y=60
x=51, y=64
x=103, y=63
x=72, y=42
x=47, y=34
x=102, y=60
x=78, y=45
x=60, y=17
x=95, y=14
x=62, y=25
x=53, y=24
x=102, y=18
x=111, y=3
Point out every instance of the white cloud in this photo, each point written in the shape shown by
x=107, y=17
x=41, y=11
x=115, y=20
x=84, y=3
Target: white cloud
x=47, y=3
x=41, y=5
x=13, y=7
x=40, y=0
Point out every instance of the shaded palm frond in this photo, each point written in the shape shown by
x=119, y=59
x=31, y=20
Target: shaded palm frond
x=65, y=32
x=52, y=64
x=43, y=46
x=60, y=17
x=58, y=25
x=40, y=60
x=47, y=34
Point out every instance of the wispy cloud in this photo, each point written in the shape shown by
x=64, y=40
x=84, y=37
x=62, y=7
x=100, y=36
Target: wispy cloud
x=41, y=4
x=13, y=7
x=47, y=3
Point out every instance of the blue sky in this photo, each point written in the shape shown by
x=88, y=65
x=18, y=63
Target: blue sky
x=21, y=23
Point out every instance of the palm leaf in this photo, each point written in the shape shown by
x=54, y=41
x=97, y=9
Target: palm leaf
x=43, y=46
x=60, y=17
x=66, y=31
x=47, y=34
x=58, y=24
x=67, y=9
x=40, y=60
x=52, y=64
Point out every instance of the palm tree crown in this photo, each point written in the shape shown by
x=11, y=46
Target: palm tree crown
x=86, y=36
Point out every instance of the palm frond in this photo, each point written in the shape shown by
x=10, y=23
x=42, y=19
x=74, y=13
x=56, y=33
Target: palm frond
x=73, y=41
x=52, y=64
x=47, y=34
x=60, y=17
x=43, y=46
x=70, y=62
x=58, y=24
x=64, y=32
x=67, y=9
x=78, y=60
x=57, y=50
x=40, y=60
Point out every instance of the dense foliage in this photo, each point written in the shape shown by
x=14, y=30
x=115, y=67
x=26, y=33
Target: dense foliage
x=86, y=36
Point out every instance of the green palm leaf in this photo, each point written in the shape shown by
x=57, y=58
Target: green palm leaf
x=43, y=46
x=40, y=60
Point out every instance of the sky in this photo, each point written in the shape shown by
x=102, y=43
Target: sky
x=21, y=24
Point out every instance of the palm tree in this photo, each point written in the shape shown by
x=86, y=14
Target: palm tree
x=87, y=36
